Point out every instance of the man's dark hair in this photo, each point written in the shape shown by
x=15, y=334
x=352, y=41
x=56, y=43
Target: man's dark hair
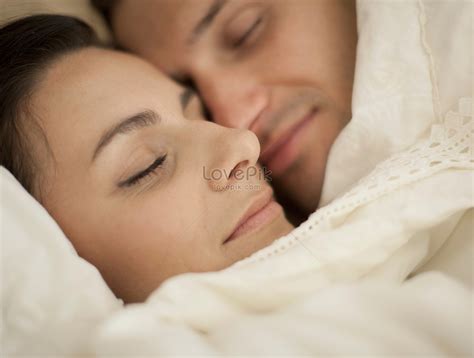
x=27, y=47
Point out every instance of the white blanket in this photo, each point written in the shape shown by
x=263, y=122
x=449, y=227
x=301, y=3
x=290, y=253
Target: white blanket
x=299, y=295
x=384, y=268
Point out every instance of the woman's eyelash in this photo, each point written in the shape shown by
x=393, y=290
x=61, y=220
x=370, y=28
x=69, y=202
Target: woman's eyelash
x=135, y=179
x=247, y=33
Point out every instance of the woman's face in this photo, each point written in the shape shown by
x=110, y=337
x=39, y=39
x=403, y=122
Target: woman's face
x=142, y=186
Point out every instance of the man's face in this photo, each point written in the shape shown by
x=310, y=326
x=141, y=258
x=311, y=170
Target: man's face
x=283, y=69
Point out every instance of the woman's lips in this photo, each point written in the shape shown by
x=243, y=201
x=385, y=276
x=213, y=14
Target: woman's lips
x=280, y=154
x=264, y=210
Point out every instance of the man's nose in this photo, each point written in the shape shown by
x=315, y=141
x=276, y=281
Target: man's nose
x=234, y=99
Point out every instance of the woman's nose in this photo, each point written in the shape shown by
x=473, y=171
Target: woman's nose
x=233, y=156
x=234, y=99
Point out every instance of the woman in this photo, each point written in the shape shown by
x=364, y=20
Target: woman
x=124, y=161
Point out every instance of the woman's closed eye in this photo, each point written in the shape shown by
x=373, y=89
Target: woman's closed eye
x=142, y=175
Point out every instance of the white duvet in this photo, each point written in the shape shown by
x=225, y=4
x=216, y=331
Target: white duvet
x=384, y=268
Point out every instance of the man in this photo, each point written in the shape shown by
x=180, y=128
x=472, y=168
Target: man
x=283, y=69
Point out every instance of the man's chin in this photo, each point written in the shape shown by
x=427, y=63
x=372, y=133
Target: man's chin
x=300, y=187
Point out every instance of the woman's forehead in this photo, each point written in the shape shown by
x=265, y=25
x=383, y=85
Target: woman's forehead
x=83, y=93
x=95, y=79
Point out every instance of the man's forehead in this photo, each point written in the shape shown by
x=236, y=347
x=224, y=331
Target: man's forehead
x=168, y=12
x=160, y=21
x=158, y=30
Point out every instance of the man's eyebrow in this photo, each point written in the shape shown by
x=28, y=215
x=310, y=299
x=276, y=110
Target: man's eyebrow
x=137, y=121
x=205, y=21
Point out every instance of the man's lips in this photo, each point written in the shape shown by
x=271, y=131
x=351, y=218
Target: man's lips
x=277, y=153
x=262, y=210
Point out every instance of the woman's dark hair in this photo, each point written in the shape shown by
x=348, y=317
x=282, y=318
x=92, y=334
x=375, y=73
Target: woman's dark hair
x=27, y=47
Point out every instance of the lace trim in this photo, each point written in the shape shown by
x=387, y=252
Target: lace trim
x=450, y=145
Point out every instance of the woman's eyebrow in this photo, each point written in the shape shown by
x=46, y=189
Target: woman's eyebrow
x=185, y=97
x=137, y=121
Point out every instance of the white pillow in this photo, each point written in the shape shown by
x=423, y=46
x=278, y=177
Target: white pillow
x=48, y=293
x=402, y=85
